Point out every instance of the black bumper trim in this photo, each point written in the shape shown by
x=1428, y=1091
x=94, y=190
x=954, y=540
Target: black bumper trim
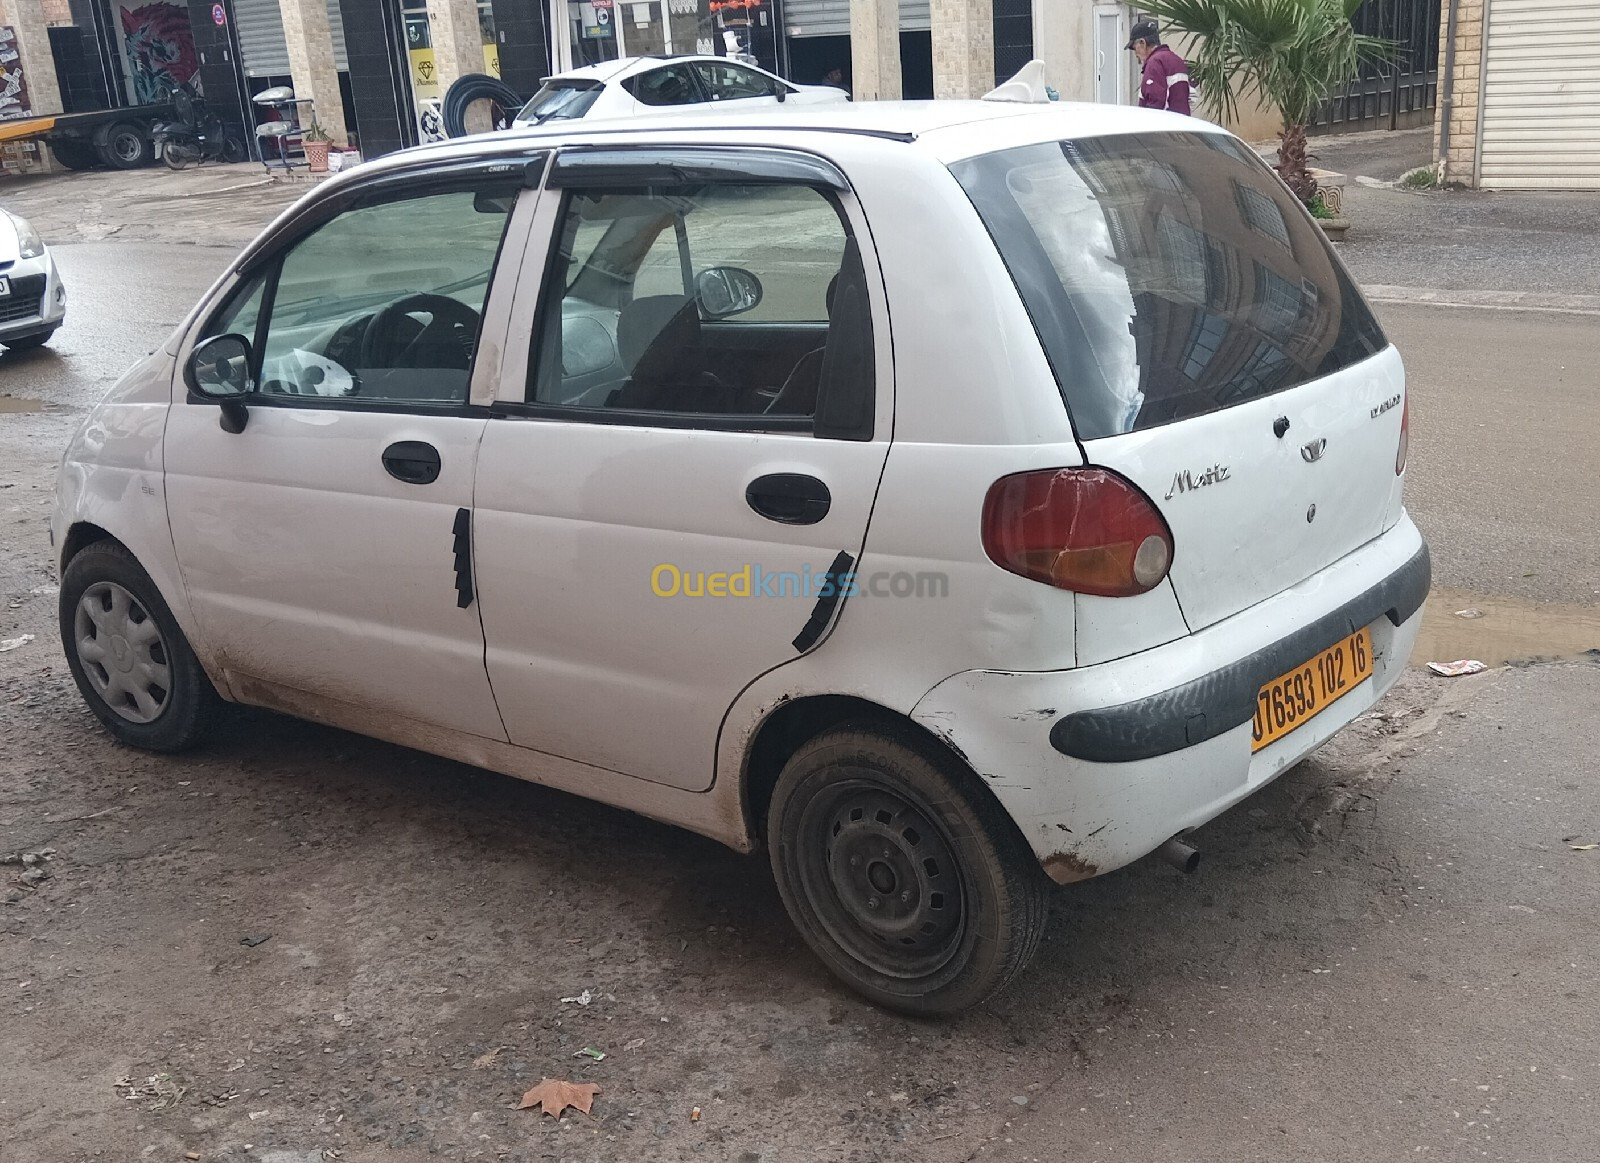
x=1220, y=701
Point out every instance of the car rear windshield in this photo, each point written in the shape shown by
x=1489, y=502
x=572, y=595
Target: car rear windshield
x=1168, y=275
x=560, y=101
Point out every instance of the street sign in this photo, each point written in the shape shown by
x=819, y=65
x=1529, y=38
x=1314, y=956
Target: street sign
x=219, y=15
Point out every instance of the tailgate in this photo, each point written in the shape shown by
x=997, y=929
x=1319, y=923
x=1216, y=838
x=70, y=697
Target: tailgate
x=1208, y=345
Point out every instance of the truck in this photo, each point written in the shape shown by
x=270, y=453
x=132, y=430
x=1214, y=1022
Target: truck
x=118, y=138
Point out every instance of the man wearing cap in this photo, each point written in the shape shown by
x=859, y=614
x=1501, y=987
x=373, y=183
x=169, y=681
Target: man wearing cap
x=1166, y=77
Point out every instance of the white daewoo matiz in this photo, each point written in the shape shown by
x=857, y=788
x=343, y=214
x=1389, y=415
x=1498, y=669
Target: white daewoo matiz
x=953, y=497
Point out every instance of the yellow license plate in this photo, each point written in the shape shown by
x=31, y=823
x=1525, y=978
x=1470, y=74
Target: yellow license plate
x=1311, y=688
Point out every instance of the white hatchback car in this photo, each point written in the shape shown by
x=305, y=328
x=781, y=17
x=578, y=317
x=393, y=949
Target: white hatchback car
x=633, y=86
x=953, y=497
x=33, y=299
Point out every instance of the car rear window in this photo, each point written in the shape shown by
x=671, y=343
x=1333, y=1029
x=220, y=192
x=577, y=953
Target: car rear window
x=559, y=101
x=1168, y=275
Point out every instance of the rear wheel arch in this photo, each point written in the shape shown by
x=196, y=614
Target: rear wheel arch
x=794, y=723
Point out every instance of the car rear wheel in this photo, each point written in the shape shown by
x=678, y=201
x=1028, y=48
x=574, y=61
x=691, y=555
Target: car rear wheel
x=912, y=886
x=130, y=660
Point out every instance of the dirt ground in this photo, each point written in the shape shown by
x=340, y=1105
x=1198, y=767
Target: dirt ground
x=299, y=945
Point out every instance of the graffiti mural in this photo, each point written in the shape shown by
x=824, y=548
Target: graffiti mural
x=161, y=52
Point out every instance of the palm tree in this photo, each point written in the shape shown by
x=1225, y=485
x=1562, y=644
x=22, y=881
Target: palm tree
x=1291, y=54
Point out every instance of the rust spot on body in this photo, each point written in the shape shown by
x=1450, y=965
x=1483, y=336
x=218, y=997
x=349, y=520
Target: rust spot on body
x=1068, y=867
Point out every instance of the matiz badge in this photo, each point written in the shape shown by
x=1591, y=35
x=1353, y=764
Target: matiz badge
x=1187, y=481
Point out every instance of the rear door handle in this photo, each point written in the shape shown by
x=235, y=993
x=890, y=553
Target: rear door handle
x=415, y=462
x=790, y=498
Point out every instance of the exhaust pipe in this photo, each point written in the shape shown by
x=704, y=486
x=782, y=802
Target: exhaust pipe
x=1180, y=855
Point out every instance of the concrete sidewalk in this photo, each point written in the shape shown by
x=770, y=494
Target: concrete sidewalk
x=1457, y=240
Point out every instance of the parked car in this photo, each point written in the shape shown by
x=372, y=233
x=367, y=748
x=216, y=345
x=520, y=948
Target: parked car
x=633, y=86
x=946, y=544
x=33, y=299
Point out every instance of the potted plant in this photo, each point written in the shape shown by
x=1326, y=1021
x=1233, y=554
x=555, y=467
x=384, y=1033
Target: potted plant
x=316, y=141
x=1290, y=54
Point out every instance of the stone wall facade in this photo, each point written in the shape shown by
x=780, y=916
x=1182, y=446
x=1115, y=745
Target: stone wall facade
x=1467, y=86
x=310, y=43
x=963, y=48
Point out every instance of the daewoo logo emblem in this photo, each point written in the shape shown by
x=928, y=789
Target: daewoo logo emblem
x=1311, y=453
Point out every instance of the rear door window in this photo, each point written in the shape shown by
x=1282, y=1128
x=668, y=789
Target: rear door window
x=672, y=85
x=1169, y=275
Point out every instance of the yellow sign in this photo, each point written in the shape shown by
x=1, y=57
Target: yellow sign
x=425, y=72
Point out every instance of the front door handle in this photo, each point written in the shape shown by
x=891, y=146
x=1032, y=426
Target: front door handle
x=414, y=461
x=790, y=498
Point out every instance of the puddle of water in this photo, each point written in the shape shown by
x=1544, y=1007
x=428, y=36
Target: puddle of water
x=1509, y=629
x=20, y=404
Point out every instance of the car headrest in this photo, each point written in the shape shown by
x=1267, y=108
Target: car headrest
x=666, y=323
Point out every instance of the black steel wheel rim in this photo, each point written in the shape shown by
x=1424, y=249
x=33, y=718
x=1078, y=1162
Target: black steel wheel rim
x=881, y=876
x=127, y=145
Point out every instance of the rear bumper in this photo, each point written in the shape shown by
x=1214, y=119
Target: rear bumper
x=1216, y=703
x=1099, y=765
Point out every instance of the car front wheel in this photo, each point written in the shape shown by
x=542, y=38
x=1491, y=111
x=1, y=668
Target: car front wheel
x=132, y=664
x=911, y=885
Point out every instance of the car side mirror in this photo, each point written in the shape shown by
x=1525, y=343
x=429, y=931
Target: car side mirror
x=723, y=292
x=219, y=369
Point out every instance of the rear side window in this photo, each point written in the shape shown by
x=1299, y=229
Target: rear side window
x=1168, y=275
x=673, y=85
x=560, y=101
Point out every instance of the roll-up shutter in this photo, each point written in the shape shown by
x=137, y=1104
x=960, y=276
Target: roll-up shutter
x=832, y=17
x=265, y=53
x=1541, y=98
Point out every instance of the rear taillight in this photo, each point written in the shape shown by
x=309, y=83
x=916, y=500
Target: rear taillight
x=1084, y=529
x=1405, y=438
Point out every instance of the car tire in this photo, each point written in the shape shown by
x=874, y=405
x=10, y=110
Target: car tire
x=910, y=883
x=133, y=665
x=123, y=145
x=28, y=342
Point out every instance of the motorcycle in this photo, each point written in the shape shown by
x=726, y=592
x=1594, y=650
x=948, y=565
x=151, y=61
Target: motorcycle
x=195, y=134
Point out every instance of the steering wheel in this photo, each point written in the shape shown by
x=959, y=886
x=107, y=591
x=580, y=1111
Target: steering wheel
x=451, y=325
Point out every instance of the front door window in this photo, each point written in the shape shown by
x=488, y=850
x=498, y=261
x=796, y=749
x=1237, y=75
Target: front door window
x=384, y=303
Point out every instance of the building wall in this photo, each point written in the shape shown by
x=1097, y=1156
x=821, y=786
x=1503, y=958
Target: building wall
x=1465, y=82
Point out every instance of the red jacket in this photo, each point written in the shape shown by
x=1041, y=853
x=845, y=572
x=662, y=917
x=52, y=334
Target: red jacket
x=1166, y=82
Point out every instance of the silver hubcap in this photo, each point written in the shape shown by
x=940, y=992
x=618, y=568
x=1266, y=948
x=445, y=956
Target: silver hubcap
x=122, y=652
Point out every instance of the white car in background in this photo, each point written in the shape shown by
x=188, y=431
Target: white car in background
x=33, y=301
x=632, y=86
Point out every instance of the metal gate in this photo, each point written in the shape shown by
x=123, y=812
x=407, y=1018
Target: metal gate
x=1399, y=95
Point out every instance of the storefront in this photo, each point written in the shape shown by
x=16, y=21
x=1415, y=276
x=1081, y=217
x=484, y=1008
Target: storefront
x=603, y=30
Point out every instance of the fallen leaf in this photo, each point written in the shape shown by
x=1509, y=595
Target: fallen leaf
x=633, y=1045
x=484, y=1061
x=555, y=1096
x=1584, y=847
